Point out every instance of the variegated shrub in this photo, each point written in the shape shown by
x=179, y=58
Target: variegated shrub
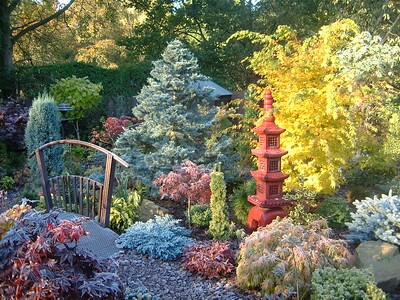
x=281, y=257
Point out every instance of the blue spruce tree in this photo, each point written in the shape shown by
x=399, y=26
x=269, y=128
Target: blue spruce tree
x=176, y=116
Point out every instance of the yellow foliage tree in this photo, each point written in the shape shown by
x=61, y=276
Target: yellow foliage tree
x=104, y=53
x=313, y=101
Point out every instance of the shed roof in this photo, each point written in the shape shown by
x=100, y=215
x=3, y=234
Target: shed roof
x=218, y=90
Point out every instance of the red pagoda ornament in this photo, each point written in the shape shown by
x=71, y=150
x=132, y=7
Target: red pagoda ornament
x=268, y=199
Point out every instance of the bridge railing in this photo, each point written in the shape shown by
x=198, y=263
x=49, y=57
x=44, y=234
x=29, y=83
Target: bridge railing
x=79, y=194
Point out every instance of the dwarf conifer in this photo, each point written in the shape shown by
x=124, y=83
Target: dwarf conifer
x=43, y=127
x=176, y=115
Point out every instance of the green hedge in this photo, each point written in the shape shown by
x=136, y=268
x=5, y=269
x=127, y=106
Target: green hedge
x=124, y=81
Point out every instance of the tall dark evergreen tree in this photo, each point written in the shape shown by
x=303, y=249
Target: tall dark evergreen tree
x=176, y=116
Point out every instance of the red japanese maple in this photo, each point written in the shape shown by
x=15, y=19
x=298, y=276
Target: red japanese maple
x=186, y=182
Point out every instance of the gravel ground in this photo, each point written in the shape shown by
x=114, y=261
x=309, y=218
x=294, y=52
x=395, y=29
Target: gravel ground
x=169, y=281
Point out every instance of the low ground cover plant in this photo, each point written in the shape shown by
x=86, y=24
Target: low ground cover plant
x=39, y=259
x=333, y=284
x=139, y=293
x=7, y=182
x=281, y=257
x=211, y=259
x=160, y=238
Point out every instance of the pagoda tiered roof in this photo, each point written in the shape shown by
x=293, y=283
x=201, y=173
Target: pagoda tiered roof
x=269, y=127
x=268, y=153
x=265, y=176
x=268, y=203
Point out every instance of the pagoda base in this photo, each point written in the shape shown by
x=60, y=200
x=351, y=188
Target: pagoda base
x=260, y=217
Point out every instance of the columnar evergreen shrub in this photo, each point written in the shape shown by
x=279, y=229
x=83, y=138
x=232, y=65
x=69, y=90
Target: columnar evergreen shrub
x=298, y=216
x=377, y=218
x=176, y=116
x=44, y=127
x=281, y=257
x=220, y=227
x=160, y=237
x=346, y=284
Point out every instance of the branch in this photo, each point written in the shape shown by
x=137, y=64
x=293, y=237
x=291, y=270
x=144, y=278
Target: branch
x=23, y=26
x=188, y=33
x=200, y=29
x=13, y=5
x=380, y=18
x=41, y=22
x=390, y=29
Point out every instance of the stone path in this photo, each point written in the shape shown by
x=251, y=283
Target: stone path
x=100, y=241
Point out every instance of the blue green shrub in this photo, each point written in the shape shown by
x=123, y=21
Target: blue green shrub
x=160, y=238
x=377, y=218
x=43, y=127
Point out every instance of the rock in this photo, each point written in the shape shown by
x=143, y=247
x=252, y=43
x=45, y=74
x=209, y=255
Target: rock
x=148, y=209
x=384, y=259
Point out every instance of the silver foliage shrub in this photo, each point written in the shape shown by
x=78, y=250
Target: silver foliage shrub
x=377, y=218
x=160, y=238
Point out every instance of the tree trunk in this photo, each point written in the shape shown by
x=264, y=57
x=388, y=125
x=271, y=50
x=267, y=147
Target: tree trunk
x=7, y=76
x=8, y=39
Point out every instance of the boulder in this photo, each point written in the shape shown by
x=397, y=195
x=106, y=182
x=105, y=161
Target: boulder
x=384, y=259
x=148, y=209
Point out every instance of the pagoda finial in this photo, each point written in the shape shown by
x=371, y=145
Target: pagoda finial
x=268, y=106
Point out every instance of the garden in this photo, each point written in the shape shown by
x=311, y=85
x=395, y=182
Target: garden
x=313, y=140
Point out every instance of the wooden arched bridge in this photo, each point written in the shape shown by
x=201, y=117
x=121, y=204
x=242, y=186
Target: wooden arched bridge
x=75, y=193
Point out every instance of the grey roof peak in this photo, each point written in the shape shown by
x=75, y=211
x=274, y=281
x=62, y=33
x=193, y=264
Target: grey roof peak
x=218, y=90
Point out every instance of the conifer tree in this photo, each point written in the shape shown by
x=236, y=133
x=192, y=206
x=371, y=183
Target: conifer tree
x=175, y=115
x=220, y=227
x=44, y=126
